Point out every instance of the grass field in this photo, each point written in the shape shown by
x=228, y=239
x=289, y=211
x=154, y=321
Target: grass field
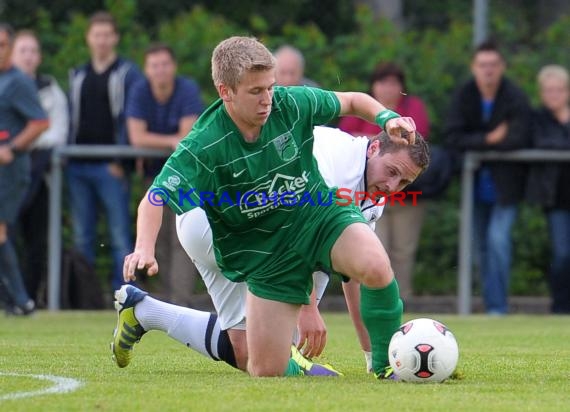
x=516, y=363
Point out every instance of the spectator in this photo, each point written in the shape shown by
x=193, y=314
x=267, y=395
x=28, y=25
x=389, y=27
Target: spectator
x=160, y=112
x=33, y=217
x=21, y=121
x=98, y=91
x=401, y=224
x=291, y=67
x=548, y=182
x=490, y=113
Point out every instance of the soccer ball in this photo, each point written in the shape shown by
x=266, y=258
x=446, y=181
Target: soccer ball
x=423, y=350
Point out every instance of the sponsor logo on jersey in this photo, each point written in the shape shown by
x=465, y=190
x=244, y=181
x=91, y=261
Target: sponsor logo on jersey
x=282, y=189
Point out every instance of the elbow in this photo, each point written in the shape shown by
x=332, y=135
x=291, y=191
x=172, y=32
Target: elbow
x=45, y=126
x=40, y=125
x=136, y=140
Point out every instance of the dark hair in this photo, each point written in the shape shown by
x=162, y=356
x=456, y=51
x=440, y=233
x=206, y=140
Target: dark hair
x=159, y=47
x=103, y=17
x=8, y=29
x=489, y=45
x=419, y=151
x=387, y=69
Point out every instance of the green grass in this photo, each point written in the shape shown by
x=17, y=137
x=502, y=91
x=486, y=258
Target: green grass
x=517, y=363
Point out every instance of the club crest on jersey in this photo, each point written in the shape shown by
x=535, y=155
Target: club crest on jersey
x=286, y=147
x=172, y=182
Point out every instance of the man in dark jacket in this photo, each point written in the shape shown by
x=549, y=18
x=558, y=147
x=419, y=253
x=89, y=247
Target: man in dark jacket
x=98, y=91
x=490, y=113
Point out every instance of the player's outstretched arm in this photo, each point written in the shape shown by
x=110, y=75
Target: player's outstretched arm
x=400, y=129
x=149, y=220
x=351, y=291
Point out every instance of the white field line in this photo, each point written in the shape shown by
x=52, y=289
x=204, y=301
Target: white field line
x=61, y=385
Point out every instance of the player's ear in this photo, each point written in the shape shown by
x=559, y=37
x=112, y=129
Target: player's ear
x=373, y=148
x=225, y=92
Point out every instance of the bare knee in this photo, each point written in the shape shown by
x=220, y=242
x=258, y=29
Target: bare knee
x=263, y=368
x=376, y=273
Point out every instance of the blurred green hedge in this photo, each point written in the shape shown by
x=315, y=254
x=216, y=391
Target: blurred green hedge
x=436, y=60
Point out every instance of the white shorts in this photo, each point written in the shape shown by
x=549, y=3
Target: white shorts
x=228, y=297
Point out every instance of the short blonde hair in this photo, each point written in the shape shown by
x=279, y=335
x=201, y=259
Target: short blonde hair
x=237, y=55
x=552, y=71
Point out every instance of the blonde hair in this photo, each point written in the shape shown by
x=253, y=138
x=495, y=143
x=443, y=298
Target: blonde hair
x=552, y=71
x=237, y=55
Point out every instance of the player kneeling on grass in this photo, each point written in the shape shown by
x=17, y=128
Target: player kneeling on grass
x=354, y=164
x=257, y=137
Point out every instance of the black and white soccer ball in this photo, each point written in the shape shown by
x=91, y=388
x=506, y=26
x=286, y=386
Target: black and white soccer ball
x=423, y=350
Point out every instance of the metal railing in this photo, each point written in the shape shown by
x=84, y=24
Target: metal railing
x=58, y=156
x=471, y=162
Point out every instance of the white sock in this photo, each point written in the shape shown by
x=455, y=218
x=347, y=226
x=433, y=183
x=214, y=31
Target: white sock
x=320, y=282
x=368, y=359
x=195, y=329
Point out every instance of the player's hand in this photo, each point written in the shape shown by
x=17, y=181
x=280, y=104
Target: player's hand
x=401, y=130
x=6, y=155
x=498, y=134
x=139, y=261
x=312, y=331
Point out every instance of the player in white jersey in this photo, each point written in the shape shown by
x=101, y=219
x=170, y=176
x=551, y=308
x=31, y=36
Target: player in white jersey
x=356, y=166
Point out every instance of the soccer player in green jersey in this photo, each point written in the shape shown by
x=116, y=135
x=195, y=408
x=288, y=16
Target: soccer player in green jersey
x=248, y=163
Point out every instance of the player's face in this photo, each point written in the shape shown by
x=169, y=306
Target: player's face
x=249, y=105
x=554, y=93
x=391, y=172
x=488, y=68
x=26, y=54
x=160, y=69
x=5, y=50
x=102, y=40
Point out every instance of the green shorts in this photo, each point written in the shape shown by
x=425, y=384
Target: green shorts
x=289, y=277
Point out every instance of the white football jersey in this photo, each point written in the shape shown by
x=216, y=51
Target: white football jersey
x=342, y=162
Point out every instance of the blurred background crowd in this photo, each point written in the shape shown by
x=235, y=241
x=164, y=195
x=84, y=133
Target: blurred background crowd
x=136, y=72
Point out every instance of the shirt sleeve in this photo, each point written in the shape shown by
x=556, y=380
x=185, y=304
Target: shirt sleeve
x=25, y=100
x=135, y=101
x=55, y=106
x=180, y=181
x=416, y=109
x=322, y=106
x=190, y=98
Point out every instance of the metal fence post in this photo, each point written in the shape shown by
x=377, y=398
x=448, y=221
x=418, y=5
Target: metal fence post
x=55, y=201
x=54, y=232
x=464, y=293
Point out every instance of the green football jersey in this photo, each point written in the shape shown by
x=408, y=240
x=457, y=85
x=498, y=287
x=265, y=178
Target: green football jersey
x=251, y=191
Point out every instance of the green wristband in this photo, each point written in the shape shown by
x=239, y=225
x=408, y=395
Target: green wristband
x=385, y=115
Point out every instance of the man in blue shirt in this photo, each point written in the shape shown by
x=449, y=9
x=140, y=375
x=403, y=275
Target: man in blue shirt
x=22, y=120
x=160, y=112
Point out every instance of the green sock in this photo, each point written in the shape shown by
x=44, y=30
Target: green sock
x=293, y=369
x=381, y=311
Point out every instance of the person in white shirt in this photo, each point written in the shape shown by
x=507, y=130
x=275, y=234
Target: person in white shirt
x=33, y=215
x=356, y=166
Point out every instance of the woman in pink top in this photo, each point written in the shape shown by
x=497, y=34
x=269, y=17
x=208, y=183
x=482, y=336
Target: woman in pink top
x=400, y=226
